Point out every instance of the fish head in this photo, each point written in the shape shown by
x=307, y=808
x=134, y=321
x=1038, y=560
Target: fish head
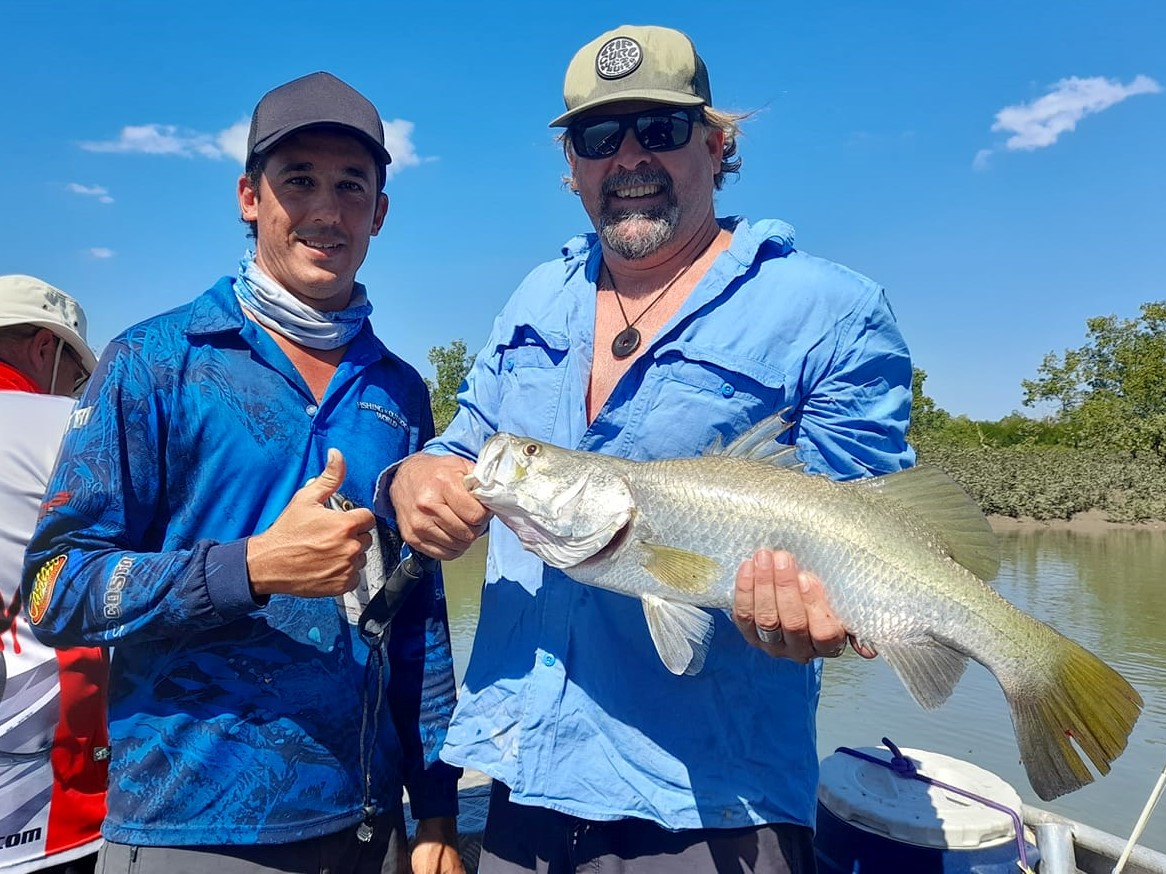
x=563, y=506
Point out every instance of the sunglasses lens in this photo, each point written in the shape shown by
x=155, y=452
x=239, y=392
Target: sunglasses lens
x=662, y=133
x=597, y=139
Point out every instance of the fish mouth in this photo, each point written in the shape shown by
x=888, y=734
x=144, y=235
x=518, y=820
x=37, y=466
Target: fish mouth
x=482, y=481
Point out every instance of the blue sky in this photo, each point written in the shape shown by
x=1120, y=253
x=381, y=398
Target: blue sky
x=999, y=167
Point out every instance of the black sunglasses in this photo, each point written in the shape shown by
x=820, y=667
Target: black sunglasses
x=656, y=131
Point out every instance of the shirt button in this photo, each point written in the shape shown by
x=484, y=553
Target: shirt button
x=727, y=390
x=311, y=409
x=549, y=660
x=510, y=364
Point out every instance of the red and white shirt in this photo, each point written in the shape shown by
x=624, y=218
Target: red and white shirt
x=54, y=745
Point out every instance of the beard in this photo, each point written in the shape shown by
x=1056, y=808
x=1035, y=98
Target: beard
x=634, y=234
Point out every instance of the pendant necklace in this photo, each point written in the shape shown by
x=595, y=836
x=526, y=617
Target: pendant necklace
x=627, y=341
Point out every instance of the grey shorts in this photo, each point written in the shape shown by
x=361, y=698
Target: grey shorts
x=338, y=853
x=533, y=840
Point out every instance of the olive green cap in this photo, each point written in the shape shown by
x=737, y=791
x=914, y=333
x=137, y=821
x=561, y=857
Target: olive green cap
x=635, y=63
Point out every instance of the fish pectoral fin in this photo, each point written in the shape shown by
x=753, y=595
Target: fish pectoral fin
x=680, y=569
x=682, y=633
x=929, y=670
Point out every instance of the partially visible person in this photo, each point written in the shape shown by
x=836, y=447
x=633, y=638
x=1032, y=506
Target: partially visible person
x=665, y=330
x=255, y=729
x=54, y=747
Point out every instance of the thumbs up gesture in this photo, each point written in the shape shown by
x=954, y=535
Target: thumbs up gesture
x=311, y=550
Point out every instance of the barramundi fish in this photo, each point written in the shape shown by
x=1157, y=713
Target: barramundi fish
x=902, y=558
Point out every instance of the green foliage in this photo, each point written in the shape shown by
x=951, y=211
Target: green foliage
x=451, y=364
x=928, y=421
x=1111, y=393
x=1102, y=449
x=1053, y=482
x=926, y=416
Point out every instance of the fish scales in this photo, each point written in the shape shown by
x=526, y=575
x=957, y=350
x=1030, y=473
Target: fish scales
x=902, y=559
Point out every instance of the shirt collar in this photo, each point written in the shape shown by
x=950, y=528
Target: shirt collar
x=12, y=379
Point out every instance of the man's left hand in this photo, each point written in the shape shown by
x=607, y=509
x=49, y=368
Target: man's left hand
x=784, y=611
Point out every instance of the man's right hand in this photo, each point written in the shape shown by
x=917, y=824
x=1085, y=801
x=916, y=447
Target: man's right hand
x=312, y=550
x=436, y=514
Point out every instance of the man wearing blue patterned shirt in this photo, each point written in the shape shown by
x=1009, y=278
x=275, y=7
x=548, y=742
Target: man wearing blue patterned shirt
x=666, y=330
x=195, y=528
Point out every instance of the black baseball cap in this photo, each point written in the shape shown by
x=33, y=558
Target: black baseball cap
x=316, y=100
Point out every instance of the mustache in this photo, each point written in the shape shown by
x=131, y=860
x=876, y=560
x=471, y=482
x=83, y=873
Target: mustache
x=629, y=178
x=321, y=235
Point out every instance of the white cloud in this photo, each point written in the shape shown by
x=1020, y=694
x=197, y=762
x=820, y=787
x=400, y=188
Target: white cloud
x=160, y=139
x=231, y=142
x=97, y=191
x=1039, y=123
x=101, y=252
x=399, y=142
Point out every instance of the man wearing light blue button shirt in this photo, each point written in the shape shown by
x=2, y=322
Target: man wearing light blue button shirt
x=662, y=332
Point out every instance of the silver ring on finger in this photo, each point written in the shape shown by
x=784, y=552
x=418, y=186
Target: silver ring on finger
x=770, y=636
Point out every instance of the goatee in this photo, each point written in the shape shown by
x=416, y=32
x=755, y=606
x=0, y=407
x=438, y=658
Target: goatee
x=637, y=233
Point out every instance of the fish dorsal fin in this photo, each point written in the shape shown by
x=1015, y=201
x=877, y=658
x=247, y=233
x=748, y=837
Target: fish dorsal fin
x=947, y=511
x=680, y=569
x=759, y=443
x=681, y=632
x=929, y=670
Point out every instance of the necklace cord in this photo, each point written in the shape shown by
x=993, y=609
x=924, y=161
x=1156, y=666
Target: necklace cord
x=655, y=300
x=627, y=341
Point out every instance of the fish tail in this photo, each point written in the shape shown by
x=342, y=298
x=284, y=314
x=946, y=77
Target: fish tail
x=1076, y=701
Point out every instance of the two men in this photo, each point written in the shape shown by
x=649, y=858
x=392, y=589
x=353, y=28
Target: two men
x=53, y=742
x=662, y=331
x=254, y=728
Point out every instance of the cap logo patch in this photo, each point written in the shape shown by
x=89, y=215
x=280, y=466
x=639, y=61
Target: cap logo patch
x=42, y=588
x=618, y=57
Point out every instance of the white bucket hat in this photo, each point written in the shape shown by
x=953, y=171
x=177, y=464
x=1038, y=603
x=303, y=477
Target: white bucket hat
x=26, y=300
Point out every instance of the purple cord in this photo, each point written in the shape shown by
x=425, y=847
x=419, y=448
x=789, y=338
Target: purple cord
x=903, y=767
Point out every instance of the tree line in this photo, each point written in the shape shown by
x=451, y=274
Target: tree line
x=1102, y=446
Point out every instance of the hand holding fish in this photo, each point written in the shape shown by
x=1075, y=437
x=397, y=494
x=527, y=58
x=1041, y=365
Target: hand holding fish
x=784, y=611
x=311, y=550
x=435, y=512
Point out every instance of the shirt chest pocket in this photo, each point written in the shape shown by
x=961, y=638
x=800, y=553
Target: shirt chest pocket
x=531, y=379
x=715, y=394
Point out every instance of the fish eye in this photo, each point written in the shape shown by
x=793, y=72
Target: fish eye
x=530, y=449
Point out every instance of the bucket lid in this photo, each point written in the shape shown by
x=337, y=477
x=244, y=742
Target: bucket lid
x=875, y=799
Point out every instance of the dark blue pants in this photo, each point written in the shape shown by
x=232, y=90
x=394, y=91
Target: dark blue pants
x=533, y=840
x=339, y=853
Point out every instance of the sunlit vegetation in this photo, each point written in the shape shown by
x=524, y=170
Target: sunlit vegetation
x=1103, y=447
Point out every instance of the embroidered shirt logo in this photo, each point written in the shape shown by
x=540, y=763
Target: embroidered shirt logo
x=80, y=418
x=618, y=57
x=42, y=588
x=115, y=586
x=387, y=416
